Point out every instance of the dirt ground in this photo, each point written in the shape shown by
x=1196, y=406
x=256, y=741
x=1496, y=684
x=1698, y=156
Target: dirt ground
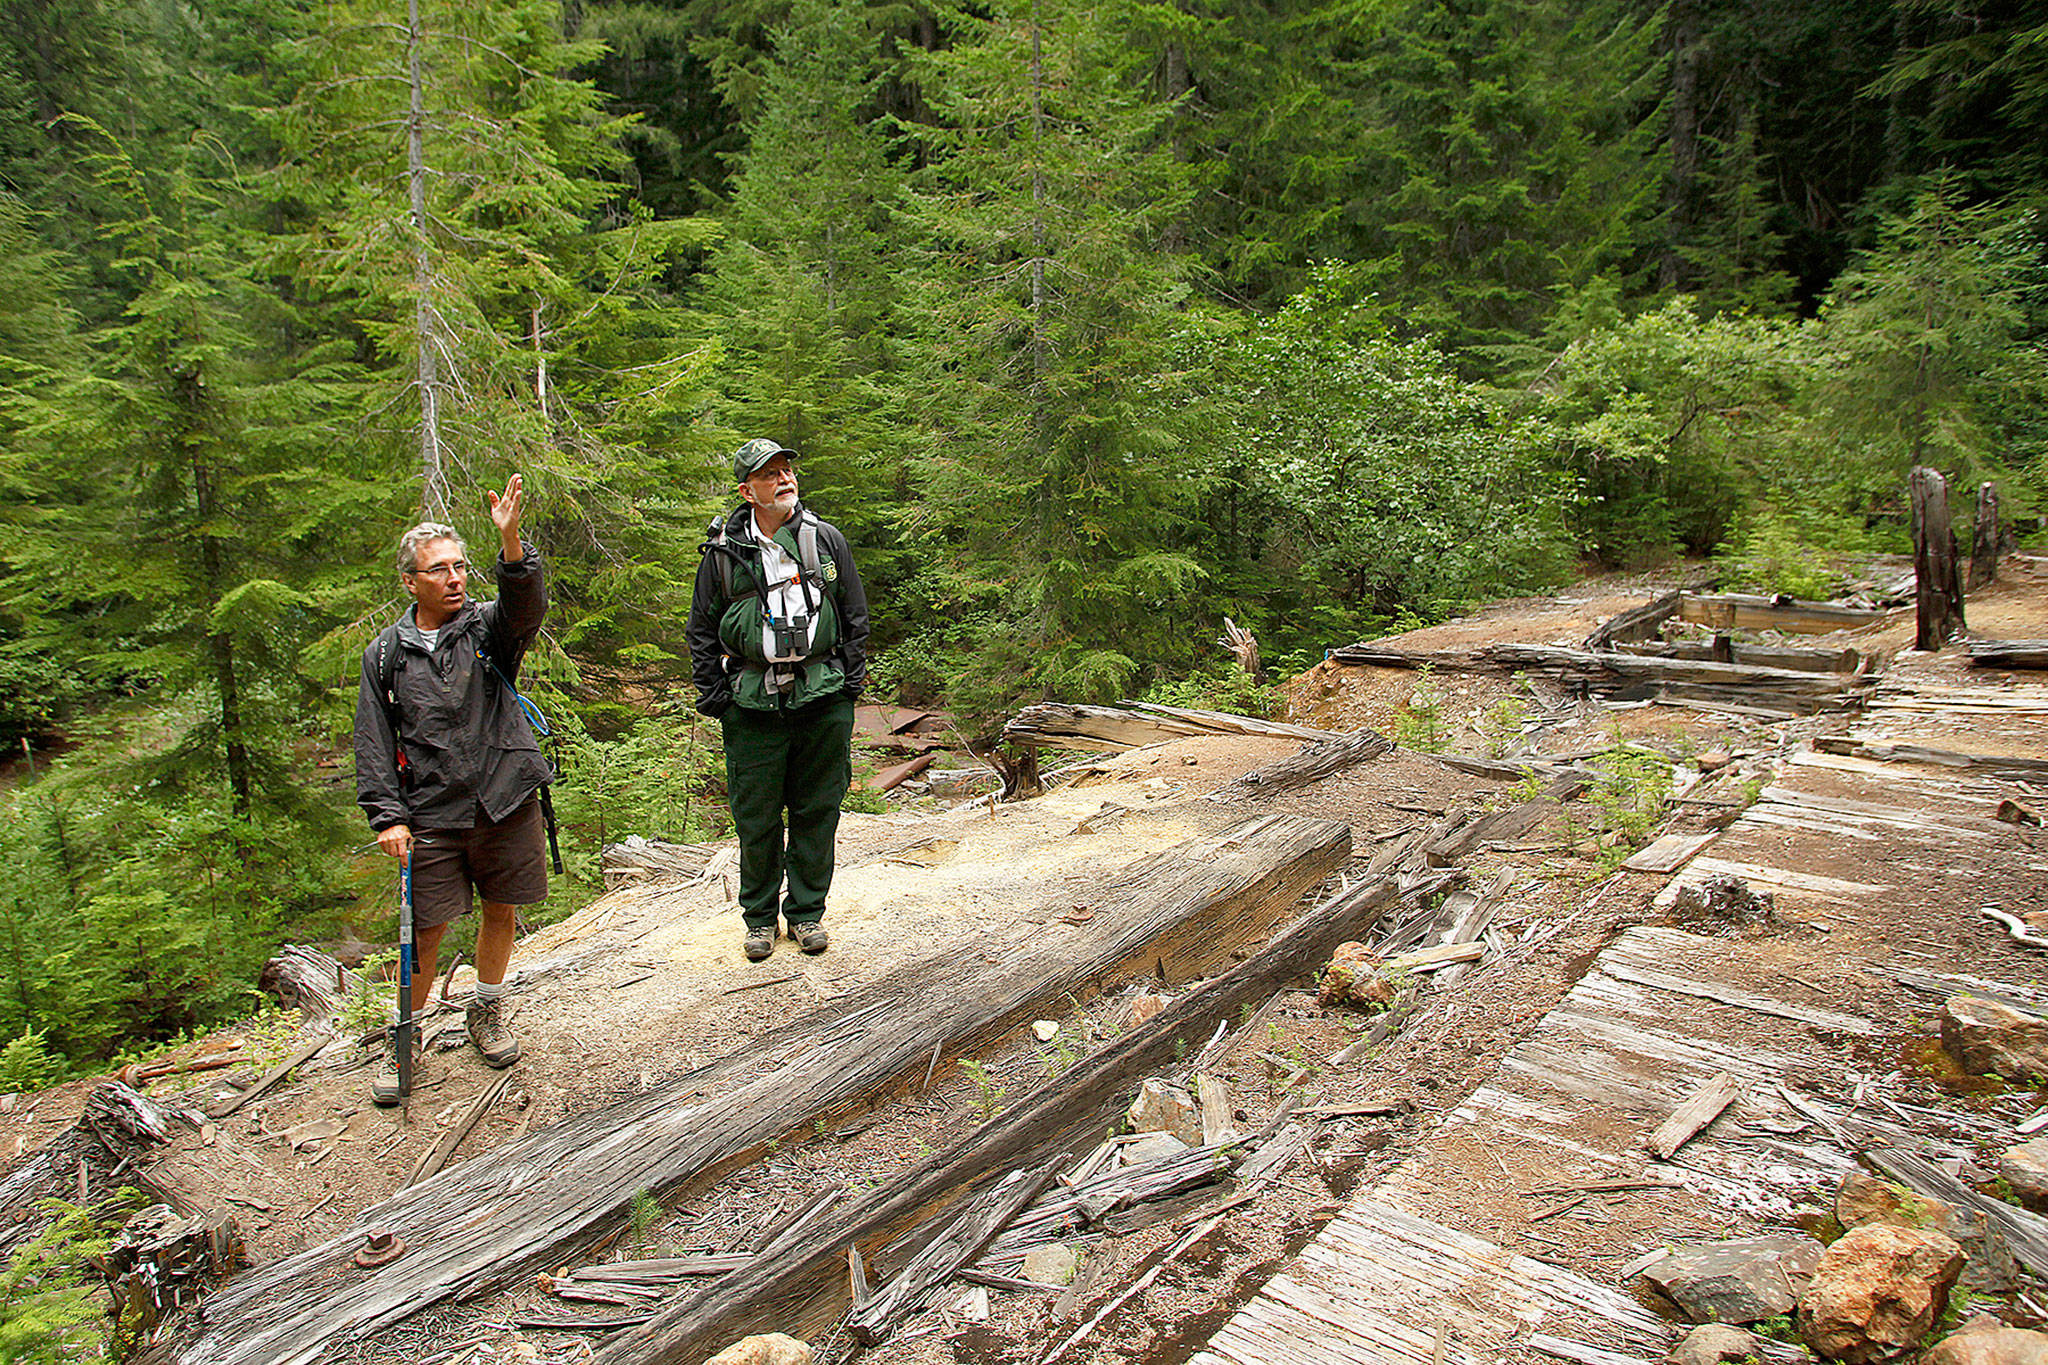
x=649, y=983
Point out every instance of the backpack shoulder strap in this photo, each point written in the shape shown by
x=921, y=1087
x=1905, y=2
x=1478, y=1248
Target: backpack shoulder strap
x=715, y=546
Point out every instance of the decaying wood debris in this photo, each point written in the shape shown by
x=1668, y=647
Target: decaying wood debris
x=308, y=980
x=89, y=1161
x=1314, y=762
x=1630, y=676
x=1056, y=725
x=798, y=1284
x=2010, y=766
x=533, y=1203
x=162, y=1261
x=1637, y=623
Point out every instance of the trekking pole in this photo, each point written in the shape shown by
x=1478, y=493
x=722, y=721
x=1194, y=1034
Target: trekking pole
x=402, y=1035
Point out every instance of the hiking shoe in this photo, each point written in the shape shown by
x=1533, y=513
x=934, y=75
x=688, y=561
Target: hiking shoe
x=760, y=941
x=810, y=936
x=384, y=1085
x=489, y=1031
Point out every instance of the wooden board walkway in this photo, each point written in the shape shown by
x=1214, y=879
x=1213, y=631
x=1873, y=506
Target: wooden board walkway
x=1403, y=1277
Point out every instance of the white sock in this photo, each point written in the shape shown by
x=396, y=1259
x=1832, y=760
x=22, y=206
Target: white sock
x=489, y=990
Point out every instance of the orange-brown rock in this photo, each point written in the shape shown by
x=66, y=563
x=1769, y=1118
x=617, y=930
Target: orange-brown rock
x=1877, y=1292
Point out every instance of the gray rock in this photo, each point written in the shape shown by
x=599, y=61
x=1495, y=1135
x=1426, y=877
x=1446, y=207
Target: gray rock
x=1736, y=1281
x=1877, y=1292
x=1713, y=1343
x=1162, y=1107
x=1054, y=1264
x=1154, y=1147
x=2025, y=1169
x=1996, y=1345
x=1989, y=1039
x=1988, y=1265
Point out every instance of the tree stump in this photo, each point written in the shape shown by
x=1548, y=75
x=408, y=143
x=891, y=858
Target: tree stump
x=1984, y=540
x=1940, y=593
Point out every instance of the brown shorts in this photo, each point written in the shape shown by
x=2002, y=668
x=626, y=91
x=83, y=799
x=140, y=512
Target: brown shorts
x=506, y=862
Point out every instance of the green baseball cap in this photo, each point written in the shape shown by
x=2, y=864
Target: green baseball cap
x=749, y=458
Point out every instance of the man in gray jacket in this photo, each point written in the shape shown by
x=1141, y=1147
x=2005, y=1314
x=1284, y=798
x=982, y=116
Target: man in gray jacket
x=447, y=766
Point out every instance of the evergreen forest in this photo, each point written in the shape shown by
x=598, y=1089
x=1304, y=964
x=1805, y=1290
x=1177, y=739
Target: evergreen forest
x=1095, y=321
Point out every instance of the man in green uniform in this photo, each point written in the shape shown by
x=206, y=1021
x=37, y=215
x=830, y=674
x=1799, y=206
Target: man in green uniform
x=778, y=650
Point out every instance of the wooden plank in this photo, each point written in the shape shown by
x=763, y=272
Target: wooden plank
x=1668, y=853
x=1728, y=995
x=1835, y=890
x=435, y=1157
x=1942, y=822
x=1701, y=1108
x=220, y=1109
x=525, y=1206
x=1938, y=584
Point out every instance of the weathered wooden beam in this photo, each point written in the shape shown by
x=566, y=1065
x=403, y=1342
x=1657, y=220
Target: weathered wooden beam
x=542, y=1200
x=1998, y=765
x=1795, y=657
x=1637, y=623
x=2009, y=653
x=1938, y=603
x=797, y=1288
x=1743, y=611
x=1057, y=724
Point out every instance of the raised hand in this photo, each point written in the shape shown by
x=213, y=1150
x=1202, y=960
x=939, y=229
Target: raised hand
x=505, y=516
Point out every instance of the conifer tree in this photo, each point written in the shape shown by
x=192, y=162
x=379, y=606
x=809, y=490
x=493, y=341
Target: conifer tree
x=1506, y=148
x=800, y=293
x=1045, y=304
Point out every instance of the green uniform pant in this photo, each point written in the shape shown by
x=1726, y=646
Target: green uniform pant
x=795, y=761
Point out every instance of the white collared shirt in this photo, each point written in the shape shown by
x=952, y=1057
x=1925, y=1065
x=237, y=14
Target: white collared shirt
x=785, y=598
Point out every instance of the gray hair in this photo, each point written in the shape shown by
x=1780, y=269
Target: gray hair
x=409, y=543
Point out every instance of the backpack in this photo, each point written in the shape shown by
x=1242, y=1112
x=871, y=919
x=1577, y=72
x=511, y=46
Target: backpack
x=812, y=578
x=387, y=677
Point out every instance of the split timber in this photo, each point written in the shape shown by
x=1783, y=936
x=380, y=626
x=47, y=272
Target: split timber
x=1402, y=1277
x=535, y=1203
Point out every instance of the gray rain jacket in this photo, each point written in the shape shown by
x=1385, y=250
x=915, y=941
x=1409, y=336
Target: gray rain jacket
x=469, y=749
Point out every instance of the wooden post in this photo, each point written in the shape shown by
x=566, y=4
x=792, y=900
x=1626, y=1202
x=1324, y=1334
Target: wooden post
x=1940, y=590
x=1984, y=543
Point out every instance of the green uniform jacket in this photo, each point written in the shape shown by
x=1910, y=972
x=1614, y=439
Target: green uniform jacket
x=726, y=660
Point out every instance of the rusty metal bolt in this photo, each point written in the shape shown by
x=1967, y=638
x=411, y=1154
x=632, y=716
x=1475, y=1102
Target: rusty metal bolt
x=380, y=1244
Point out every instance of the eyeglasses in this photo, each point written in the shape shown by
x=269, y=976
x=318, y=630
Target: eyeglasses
x=775, y=475
x=453, y=566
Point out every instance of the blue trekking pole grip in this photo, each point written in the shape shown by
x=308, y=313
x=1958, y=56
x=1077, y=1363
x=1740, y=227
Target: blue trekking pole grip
x=402, y=1034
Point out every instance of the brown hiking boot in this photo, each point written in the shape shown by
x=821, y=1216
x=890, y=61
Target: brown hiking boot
x=384, y=1085
x=489, y=1031
x=760, y=941
x=810, y=936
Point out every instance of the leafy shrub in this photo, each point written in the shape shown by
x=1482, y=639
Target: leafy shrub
x=47, y=1312
x=27, y=1064
x=1770, y=553
x=1220, y=686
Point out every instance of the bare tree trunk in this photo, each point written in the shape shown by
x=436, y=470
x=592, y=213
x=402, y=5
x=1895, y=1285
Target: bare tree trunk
x=1685, y=137
x=1940, y=600
x=433, y=473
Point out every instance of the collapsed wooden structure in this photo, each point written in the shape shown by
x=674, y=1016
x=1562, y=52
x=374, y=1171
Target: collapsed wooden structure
x=539, y=1201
